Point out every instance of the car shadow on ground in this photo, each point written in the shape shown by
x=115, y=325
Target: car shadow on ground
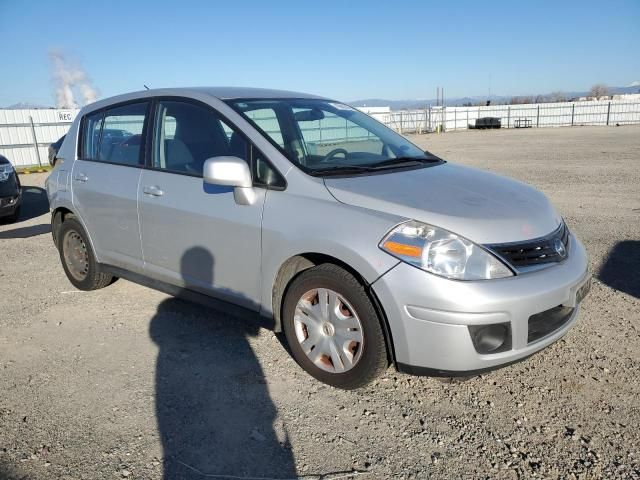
x=34, y=203
x=7, y=474
x=26, y=232
x=621, y=268
x=214, y=412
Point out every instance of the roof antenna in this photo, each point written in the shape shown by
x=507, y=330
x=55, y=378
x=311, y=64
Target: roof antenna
x=145, y=86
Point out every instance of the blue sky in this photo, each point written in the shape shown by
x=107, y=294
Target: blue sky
x=348, y=50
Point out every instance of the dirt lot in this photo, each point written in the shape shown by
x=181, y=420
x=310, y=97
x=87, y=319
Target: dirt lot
x=126, y=382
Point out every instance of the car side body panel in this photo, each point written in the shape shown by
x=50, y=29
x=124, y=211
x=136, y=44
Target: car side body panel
x=324, y=226
x=195, y=235
x=105, y=196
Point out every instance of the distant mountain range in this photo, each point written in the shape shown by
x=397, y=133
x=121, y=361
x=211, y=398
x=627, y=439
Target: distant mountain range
x=634, y=87
x=25, y=106
x=495, y=99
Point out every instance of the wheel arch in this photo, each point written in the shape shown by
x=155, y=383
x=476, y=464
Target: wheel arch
x=297, y=264
x=58, y=216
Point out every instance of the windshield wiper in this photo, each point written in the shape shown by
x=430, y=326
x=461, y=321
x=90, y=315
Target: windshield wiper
x=373, y=167
x=340, y=169
x=405, y=161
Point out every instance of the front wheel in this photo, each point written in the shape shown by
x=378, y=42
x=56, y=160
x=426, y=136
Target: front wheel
x=78, y=259
x=333, y=329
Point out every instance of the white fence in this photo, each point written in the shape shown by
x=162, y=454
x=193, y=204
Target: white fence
x=25, y=134
x=431, y=119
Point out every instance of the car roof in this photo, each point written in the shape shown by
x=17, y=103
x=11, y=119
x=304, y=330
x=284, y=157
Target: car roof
x=228, y=93
x=221, y=93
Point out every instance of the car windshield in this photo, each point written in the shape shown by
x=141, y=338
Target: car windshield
x=324, y=137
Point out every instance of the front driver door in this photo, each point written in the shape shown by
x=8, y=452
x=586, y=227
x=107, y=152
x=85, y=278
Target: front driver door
x=195, y=235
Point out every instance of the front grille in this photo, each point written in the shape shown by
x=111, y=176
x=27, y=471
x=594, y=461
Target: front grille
x=551, y=248
x=544, y=323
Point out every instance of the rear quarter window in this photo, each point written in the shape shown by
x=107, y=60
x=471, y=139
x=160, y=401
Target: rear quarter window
x=91, y=126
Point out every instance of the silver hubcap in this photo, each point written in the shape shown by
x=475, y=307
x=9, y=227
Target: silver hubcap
x=75, y=255
x=329, y=330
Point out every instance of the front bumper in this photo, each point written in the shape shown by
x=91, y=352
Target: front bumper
x=429, y=316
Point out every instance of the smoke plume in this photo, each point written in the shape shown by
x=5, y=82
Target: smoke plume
x=69, y=80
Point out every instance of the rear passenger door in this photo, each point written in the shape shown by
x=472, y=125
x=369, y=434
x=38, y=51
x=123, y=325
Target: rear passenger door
x=105, y=181
x=195, y=235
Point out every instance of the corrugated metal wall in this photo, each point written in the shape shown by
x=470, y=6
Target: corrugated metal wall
x=18, y=128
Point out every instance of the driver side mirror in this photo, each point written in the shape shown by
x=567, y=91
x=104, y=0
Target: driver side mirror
x=230, y=172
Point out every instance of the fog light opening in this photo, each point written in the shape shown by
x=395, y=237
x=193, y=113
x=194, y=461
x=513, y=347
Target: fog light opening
x=492, y=338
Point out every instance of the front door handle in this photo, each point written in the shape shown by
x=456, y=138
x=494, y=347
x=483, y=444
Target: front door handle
x=153, y=190
x=80, y=177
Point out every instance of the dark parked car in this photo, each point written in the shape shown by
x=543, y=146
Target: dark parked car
x=487, y=122
x=53, y=150
x=10, y=191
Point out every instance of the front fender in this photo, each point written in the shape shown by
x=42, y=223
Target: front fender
x=295, y=224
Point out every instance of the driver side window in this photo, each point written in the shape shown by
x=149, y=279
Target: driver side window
x=187, y=134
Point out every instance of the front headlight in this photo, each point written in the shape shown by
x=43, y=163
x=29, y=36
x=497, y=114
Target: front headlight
x=6, y=169
x=442, y=252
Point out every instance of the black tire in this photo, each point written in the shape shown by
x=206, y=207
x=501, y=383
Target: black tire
x=93, y=278
x=373, y=360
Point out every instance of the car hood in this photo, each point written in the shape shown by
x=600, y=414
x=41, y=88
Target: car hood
x=481, y=206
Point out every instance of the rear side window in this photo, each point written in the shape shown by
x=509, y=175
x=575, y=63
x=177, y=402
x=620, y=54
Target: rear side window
x=115, y=135
x=121, y=138
x=91, y=135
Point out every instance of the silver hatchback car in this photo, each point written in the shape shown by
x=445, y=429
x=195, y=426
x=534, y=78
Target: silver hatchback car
x=315, y=218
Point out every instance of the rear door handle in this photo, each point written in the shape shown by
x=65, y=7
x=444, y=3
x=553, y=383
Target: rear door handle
x=153, y=190
x=80, y=177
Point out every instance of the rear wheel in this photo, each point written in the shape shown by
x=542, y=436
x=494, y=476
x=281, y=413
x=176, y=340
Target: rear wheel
x=332, y=328
x=78, y=259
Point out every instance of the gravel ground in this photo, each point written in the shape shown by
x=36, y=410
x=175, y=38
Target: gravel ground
x=126, y=382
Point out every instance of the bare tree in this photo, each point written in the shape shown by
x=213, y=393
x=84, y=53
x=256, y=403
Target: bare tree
x=598, y=91
x=520, y=100
x=557, y=97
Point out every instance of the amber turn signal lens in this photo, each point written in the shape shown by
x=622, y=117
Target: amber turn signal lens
x=402, y=249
